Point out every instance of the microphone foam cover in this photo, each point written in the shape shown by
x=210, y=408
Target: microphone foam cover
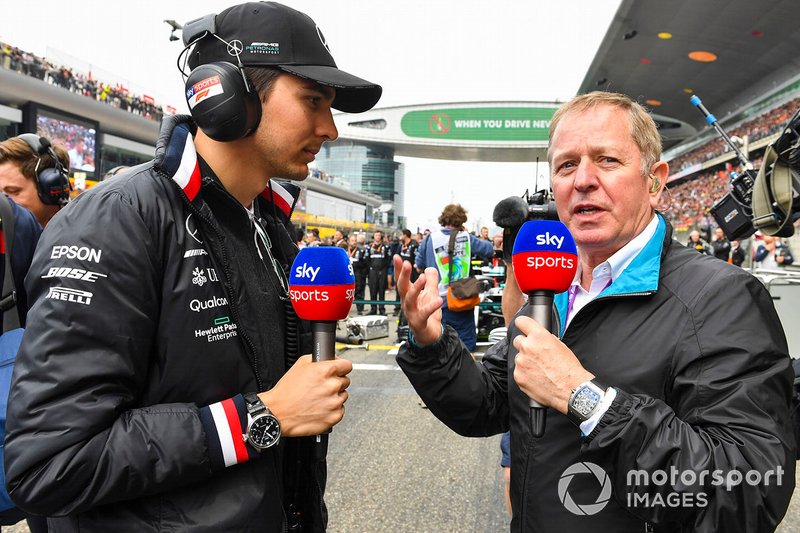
x=511, y=212
x=545, y=256
x=321, y=283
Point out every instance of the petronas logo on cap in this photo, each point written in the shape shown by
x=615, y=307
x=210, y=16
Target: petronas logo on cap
x=322, y=40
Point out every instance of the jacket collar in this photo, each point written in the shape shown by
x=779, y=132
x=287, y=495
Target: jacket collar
x=641, y=275
x=177, y=158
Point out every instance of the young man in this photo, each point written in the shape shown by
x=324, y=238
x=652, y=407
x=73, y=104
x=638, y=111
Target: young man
x=161, y=383
x=20, y=165
x=668, y=361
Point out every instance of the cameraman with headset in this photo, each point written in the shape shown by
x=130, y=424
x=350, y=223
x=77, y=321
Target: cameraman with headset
x=160, y=385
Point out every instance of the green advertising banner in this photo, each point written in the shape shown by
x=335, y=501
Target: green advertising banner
x=480, y=123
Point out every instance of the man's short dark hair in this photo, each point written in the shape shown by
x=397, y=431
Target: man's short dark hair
x=407, y=233
x=263, y=79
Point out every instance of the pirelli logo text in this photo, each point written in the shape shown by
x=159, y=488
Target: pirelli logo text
x=70, y=295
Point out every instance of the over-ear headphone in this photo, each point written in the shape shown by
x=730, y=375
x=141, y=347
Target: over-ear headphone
x=221, y=100
x=52, y=183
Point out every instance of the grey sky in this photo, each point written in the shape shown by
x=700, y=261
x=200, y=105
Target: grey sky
x=419, y=51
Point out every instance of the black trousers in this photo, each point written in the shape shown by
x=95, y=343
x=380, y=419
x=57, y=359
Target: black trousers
x=377, y=289
x=361, y=285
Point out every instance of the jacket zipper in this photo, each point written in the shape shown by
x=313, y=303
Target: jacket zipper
x=609, y=297
x=229, y=285
x=529, y=455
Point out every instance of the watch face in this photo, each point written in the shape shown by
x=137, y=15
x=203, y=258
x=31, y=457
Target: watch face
x=585, y=401
x=264, y=431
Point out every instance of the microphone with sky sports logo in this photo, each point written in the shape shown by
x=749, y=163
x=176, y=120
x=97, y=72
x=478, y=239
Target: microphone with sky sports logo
x=545, y=260
x=322, y=289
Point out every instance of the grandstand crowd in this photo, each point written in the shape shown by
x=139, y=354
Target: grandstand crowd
x=686, y=204
x=115, y=95
x=762, y=126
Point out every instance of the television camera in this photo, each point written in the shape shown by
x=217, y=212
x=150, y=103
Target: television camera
x=766, y=200
x=512, y=212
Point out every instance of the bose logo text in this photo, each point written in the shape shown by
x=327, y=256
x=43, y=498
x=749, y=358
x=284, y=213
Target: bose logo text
x=305, y=271
x=548, y=239
x=76, y=252
x=70, y=295
x=550, y=262
x=73, y=273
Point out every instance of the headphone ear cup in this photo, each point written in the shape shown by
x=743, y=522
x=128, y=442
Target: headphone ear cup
x=220, y=102
x=53, y=186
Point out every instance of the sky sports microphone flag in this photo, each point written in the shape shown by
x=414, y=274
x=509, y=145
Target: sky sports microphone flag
x=545, y=257
x=322, y=284
x=545, y=260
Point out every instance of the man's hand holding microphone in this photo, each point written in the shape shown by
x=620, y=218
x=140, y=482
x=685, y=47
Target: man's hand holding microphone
x=309, y=399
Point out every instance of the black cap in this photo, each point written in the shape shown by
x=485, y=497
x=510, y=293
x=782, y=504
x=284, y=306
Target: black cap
x=270, y=34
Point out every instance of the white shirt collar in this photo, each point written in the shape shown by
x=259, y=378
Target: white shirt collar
x=617, y=263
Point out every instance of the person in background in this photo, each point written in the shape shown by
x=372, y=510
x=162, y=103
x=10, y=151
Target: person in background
x=721, y=246
x=696, y=243
x=773, y=254
x=737, y=253
x=27, y=231
x=340, y=239
x=312, y=237
x=359, y=257
x=161, y=383
x=484, y=236
x=379, y=257
x=22, y=160
x=433, y=253
x=712, y=394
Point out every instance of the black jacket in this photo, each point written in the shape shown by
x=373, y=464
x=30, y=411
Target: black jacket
x=697, y=355
x=116, y=370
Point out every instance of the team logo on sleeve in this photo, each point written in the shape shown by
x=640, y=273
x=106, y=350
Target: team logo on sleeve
x=70, y=295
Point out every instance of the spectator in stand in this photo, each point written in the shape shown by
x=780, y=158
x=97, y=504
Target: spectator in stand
x=20, y=167
x=433, y=252
x=695, y=242
x=720, y=245
x=773, y=254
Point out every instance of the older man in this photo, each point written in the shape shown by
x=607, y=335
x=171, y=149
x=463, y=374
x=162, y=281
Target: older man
x=668, y=389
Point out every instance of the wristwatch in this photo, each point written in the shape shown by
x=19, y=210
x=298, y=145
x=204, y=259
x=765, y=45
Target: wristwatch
x=584, y=401
x=263, y=429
